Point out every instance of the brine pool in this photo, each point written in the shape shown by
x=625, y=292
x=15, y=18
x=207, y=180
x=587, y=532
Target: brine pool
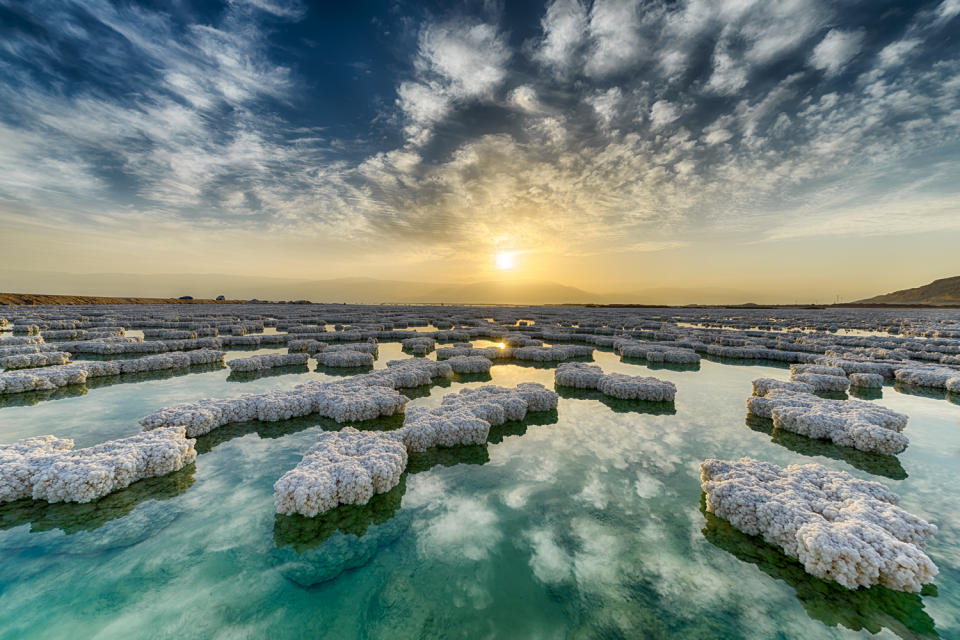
x=584, y=523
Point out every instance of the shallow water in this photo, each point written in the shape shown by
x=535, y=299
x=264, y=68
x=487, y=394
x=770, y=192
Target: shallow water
x=584, y=523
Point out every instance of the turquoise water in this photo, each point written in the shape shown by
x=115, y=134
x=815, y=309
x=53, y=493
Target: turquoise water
x=585, y=523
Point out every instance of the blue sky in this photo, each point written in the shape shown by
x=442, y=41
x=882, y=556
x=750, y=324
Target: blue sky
x=613, y=144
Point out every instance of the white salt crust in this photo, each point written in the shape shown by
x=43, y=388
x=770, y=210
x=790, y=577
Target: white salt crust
x=57, y=376
x=840, y=528
x=344, y=358
x=343, y=467
x=268, y=361
x=30, y=360
x=823, y=381
x=48, y=468
x=469, y=364
x=361, y=397
x=866, y=380
x=852, y=423
x=350, y=466
x=617, y=385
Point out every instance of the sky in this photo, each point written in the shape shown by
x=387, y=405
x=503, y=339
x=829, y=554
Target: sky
x=798, y=149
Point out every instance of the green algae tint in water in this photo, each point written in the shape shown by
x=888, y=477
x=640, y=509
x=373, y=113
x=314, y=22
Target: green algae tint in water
x=583, y=523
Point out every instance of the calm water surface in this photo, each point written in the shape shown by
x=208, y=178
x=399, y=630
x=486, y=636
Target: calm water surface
x=584, y=523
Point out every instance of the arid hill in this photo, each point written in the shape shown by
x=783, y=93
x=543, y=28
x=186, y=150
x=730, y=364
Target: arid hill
x=945, y=291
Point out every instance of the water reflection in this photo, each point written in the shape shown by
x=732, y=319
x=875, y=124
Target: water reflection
x=343, y=372
x=280, y=428
x=305, y=533
x=927, y=392
x=870, y=609
x=71, y=517
x=247, y=376
x=666, y=366
x=616, y=404
x=866, y=393
x=871, y=462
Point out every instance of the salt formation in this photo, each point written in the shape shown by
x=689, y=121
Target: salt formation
x=350, y=466
x=268, y=361
x=652, y=352
x=850, y=423
x=30, y=360
x=352, y=400
x=617, y=385
x=822, y=382
x=54, y=377
x=469, y=364
x=420, y=346
x=344, y=467
x=578, y=375
x=762, y=385
x=47, y=468
x=552, y=354
x=840, y=528
x=344, y=358
x=936, y=377
x=866, y=380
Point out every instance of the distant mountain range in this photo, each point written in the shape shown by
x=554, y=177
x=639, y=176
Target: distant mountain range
x=349, y=290
x=939, y=292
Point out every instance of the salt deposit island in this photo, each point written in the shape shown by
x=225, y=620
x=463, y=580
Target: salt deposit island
x=839, y=526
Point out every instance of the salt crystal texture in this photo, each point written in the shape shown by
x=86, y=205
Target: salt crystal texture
x=840, y=528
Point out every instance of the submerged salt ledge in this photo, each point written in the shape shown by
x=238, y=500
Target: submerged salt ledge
x=840, y=528
x=852, y=423
x=350, y=466
x=617, y=385
x=48, y=468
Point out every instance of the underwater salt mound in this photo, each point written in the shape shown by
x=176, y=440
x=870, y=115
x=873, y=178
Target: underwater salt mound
x=48, y=468
x=840, y=528
x=268, y=361
x=343, y=467
x=852, y=423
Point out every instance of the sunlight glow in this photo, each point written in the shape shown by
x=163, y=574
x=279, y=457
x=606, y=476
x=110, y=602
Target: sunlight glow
x=505, y=260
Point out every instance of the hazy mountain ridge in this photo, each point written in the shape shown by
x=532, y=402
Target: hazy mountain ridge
x=349, y=290
x=939, y=292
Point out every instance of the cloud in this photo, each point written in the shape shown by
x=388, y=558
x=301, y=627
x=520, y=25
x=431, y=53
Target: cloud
x=835, y=50
x=613, y=121
x=564, y=26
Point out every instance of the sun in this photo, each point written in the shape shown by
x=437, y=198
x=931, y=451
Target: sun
x=505, y=260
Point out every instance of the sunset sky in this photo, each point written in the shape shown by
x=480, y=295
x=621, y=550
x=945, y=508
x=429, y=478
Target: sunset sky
x=797, y=149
